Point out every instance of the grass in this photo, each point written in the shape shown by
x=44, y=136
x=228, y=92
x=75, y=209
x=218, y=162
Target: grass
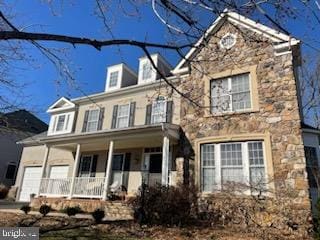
x=84, y=234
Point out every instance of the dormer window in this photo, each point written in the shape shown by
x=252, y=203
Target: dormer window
x=146, y=71
x=61, y=123
x=113, y=81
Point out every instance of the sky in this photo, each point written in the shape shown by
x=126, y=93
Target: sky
x=76, y=18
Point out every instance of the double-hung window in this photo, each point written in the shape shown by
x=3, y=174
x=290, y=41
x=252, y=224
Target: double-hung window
x=146, y=71
x=159, y=110
x=113, y=79
x=61, y=123
x=123, y=116
x=230, y=94
x=232, y=163
x=93, y=119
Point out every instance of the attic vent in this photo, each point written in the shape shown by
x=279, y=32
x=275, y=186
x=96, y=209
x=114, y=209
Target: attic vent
x=228, y=41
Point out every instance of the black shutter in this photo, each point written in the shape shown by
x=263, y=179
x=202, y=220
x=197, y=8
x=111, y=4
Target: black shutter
x=80, y=164
x=132, y=113
x=94, y=166
x=127, y=161
x=101, y=116
x=169, y=112
x=85, y=121
x=114, y=116
x=148, y=114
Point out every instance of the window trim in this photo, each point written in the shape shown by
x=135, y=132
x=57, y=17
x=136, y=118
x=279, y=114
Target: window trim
x=90, y=110
x=251, y=70
x=146, y=63
x=128, y=116
x=113, y=72
x=267, y=151
x=65, y=123
x=165, y=110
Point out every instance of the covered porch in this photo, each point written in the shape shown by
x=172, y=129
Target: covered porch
x=107, y=160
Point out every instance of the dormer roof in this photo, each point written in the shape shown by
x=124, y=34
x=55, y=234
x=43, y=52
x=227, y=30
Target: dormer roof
x=61, y=105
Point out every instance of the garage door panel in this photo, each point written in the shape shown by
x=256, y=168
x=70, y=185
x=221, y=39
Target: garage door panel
x=30, y=182
x=59, y=171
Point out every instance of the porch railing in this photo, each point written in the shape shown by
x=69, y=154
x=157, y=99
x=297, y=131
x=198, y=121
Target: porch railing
x=55, y=186
x=88, y=187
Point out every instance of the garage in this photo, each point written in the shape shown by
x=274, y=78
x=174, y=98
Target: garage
x=59, y=171
x=30, y=183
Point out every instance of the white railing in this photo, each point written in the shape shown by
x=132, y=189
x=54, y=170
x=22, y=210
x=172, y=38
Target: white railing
x=55, y=186
x=88, y=187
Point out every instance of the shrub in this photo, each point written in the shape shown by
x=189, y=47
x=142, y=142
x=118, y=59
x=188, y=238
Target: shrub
x=3, y=191
x=165, y=205
x=71, y=211
x=98, y=215
x=26, y=209
x=44, y=209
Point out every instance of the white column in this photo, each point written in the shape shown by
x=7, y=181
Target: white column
x=75, y=170
x=108, y=172
x=44, y=165
x=165, y=161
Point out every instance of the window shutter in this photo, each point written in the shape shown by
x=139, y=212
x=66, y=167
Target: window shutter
x=148, y=114
x=80, y=163
x=101, y=116
x=85, y=121
x=114, y=116
x=127, y=161
x=169, y=112
x=94, y=166
x=132, y=113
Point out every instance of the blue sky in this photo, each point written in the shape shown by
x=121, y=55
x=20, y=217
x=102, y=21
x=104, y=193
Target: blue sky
x=78, y=19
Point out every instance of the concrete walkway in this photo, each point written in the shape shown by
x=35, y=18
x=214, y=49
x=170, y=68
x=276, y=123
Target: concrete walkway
x=5, y=204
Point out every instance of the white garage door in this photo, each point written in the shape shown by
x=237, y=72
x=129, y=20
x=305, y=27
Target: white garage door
x=59, y=171
x=30, y=182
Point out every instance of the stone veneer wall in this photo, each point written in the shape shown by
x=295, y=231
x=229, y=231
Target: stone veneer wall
x=278, y=112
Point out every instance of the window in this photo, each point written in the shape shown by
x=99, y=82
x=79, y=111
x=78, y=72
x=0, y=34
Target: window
x=11, y=171
x=312, y=165
x=228, y=41
x=123, y=116
x=146, y=71
x=93, y=119
x=158, y=113
x=60, y=123
x=237, y=162
x=230, y=94
x=113, y=79
x=88, y=165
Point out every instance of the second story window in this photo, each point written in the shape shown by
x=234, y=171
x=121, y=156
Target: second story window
x=62, y=123
x=230, y=94
x=113, y=79
x=146, y=71
x=93, y=119
x=159, y=109
x=123, y=116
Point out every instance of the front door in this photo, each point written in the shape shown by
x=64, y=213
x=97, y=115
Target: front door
x=120, y=169
x=152, y=168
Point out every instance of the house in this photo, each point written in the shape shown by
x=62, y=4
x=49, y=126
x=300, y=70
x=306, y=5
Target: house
x=246, y=125
x=15, y=126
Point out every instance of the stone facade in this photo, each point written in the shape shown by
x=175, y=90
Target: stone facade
x=277, y=113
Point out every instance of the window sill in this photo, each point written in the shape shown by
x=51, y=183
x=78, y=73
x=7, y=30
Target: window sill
x=248, y=111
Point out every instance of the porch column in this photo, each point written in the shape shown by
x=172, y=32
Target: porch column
x=108, y=172
x=165, y=161
x=75, y=170
x=44, y=165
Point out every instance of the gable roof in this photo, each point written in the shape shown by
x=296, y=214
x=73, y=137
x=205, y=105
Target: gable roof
x=282, y=40
x=61, y=105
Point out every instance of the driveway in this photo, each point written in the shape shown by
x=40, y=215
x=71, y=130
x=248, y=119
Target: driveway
x=4, y=204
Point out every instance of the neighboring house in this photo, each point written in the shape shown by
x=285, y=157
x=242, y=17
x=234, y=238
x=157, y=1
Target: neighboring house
x=140, y=130
x=15, y=126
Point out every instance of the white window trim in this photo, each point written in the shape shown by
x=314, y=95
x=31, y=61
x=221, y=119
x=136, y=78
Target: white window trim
x=127, y=125
x=230, y=46
x=149, y=65
x=229, y=93
x=245, y=165
x=165, y=110
x=118, y=74
x=65, y=123
x=87, y=127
